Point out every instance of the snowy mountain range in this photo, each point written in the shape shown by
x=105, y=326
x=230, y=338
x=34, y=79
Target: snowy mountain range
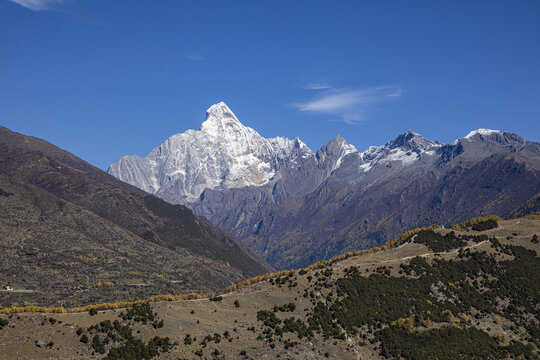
x=272, y=192
x=224, y=154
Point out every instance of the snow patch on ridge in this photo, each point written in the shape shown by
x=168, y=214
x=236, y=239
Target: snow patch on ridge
x=472, y=134
x=481, y=132
x=406, y=157
x=346, y=150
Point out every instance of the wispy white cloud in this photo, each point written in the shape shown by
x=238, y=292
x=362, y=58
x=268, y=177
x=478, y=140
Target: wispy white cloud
x=193, y=56
x=42, y=5
x=38, y=5
x=317, y=86
x=395, y=94
x=352, y=106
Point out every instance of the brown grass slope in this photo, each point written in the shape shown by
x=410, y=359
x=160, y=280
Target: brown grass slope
x=72, y=234
x=240, y=324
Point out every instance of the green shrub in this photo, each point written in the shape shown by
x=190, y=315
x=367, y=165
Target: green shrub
x=437, y=242
x=268, y=318
x=136, y=349
x=139, y=313
x=448, y=342
x=485, y=225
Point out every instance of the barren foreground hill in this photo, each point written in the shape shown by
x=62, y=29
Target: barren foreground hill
x=470, y=293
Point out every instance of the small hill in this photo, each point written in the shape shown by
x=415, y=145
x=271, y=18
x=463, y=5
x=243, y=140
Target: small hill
x=71, y=234
x=530, y=207
x=471, y=293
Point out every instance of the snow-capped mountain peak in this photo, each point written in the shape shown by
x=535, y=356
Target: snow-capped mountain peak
x=332, y=154
x=222, y=154
x=339, y=145
x=406, y=149
x=221, y=120
x=412, y=141
x=220, y=109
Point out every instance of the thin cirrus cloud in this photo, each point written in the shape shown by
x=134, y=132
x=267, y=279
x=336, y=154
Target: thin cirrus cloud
x=38, y=5
x=316, y=86
x=193, y=56
x=351, y=106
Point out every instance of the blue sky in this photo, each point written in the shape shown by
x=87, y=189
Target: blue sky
x=106, y=78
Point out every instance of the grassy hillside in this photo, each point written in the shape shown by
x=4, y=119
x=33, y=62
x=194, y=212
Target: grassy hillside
x=70, y=234
x=441, y=293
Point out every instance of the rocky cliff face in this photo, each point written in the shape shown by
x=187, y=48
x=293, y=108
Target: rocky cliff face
x=295, y=207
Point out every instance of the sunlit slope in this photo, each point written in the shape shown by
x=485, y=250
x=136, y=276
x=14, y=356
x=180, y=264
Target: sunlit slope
x=466, y=294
